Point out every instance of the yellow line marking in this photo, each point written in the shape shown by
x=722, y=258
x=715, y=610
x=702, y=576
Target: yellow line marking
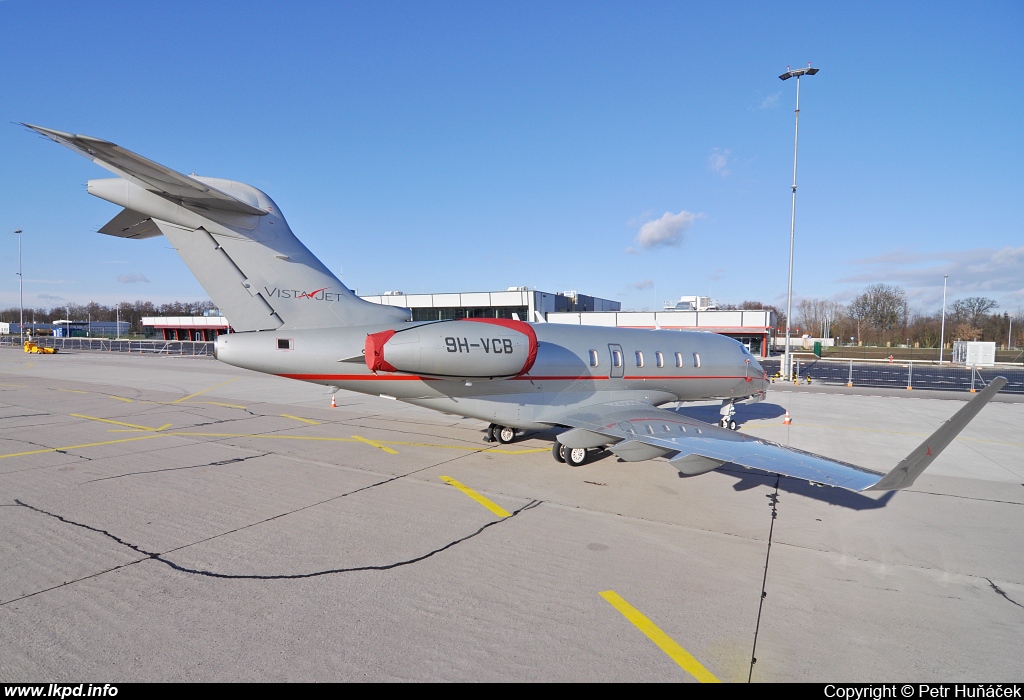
x=162, y=430
x=304, y=420
x=486, y=503
x=190, y=396
x=218, y=403
x=117, y=422
x=121, y=398
x=468, y=448
x=375, y=444
x=78, y=447
x=73, y=391
x=664, y=642
x=19, y=386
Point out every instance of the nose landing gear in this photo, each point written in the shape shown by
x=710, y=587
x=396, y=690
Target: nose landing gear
x=727, y=411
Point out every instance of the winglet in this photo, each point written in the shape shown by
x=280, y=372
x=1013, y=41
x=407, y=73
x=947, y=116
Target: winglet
x=917, y=461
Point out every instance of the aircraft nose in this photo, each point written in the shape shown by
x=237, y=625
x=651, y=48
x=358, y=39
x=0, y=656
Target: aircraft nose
x=757, y=375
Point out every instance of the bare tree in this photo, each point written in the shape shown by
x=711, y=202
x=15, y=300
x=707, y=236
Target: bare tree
x=971, y=310
x=883, y=309
x=818, y=315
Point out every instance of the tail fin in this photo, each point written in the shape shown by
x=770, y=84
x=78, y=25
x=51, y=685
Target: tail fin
x=232, y=237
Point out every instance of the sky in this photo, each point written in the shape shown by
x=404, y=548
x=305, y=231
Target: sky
x=636, y=151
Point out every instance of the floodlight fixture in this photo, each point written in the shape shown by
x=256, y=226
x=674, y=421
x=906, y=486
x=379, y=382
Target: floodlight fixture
x=798, y=72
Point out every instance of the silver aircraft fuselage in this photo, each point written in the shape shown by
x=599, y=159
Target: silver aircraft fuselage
x=576, y=366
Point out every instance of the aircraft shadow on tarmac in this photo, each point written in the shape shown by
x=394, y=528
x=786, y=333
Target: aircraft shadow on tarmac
x=750, y=478
x=744, y=412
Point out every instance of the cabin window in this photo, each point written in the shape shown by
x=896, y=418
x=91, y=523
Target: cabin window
x=284, y=343
x=659, y=359
x=679, y=359
x=593, y=358
x=696, y=359
x=616, y=358
x=639, y=359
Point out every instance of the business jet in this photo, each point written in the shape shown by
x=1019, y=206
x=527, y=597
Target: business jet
x=294, y=318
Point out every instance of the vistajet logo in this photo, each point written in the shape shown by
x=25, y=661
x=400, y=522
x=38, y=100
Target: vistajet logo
x=316, y=295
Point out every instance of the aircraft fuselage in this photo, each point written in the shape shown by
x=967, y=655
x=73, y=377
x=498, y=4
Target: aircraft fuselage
x=575, y=366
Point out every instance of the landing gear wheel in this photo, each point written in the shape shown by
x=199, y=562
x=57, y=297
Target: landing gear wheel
x=504, y=435
x=732, y=425
x=576, y=456
x=723, y=423
x=489, y=435
x=556, y=452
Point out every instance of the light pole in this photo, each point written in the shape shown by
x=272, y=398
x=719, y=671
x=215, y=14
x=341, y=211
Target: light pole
x=21, y=290
x=799, y=73
x=942, y=334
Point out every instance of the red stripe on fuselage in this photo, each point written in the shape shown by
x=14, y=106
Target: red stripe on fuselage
x=413, y=377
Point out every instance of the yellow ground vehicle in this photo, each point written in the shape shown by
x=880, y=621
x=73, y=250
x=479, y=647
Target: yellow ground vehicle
x=36, y=350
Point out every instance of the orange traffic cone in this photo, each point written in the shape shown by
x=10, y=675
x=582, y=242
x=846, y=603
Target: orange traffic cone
x=334, y=404
x=786, y=420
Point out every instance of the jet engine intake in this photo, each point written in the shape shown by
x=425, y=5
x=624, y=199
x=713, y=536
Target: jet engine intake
x=489, y=348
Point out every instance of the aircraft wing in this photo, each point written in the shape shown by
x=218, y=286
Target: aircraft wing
x=145, y=173
x=641, y=431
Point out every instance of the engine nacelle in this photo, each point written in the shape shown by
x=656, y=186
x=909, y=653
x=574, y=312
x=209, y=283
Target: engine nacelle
x=471, y=348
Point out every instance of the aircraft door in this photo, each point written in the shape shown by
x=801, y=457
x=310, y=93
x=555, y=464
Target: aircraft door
x=618, y=361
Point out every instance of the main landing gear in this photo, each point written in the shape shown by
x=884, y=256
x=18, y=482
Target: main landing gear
x=728, y=410
x=573, y=456
x=500, y=433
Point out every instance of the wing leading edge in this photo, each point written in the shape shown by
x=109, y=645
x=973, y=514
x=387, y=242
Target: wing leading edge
x=641, y=431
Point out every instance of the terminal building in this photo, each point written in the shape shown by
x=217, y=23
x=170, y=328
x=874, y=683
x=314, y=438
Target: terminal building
x=515, y=302
x=754, y=328
x=195, y=328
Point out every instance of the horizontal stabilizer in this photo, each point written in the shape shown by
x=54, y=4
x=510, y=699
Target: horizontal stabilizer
x=152, y=176
x=131, y=224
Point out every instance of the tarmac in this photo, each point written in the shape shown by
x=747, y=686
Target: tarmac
x=178, y=519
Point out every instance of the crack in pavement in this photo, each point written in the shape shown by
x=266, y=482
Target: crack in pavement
x=162, y=558
x=25, y=415
x=1001, y=592
x=174, y=469
x=966, y=498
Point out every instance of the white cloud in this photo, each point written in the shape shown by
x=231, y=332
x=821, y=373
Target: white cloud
x=718, y=161
x=132, y=279
x=995, y=273
x=771, y=101
x=643, y=284
x=666, y=231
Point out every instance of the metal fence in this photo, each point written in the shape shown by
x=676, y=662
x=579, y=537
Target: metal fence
x=158, y=347
x=901, y=375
